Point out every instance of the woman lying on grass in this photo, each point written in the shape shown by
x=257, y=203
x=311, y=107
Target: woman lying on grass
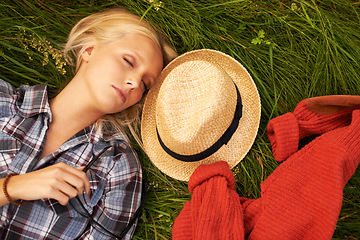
x=67, y=168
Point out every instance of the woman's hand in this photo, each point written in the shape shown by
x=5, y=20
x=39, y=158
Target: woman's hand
x=60, y=182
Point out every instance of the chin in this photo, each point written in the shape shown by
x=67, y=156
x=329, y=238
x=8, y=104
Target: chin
x=111, y=106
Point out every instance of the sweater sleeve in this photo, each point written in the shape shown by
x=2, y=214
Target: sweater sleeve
x=214, y=211
x=312, y=116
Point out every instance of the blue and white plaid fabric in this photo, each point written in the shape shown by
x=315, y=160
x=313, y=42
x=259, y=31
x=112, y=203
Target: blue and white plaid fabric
x=115, y=178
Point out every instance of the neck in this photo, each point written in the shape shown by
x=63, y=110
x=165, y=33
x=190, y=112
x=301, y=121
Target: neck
x=71, y=111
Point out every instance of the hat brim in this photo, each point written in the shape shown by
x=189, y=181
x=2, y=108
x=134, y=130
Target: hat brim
x=241, y=141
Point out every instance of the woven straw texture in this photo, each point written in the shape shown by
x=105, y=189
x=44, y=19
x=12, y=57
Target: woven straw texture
x=192, y=104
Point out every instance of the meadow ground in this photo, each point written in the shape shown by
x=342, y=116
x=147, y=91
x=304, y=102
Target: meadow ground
x=293, y=50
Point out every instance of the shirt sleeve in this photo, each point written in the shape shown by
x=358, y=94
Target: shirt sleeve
x=121, y=198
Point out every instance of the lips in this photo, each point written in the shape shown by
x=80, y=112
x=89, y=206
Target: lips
x=120, y=93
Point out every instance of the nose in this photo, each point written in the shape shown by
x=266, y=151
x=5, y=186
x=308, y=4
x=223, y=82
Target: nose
x=133, y=82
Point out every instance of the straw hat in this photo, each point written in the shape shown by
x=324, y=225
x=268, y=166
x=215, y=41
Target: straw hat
x=203, y=108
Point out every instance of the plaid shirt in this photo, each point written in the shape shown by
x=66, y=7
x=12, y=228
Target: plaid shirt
x=115, y=178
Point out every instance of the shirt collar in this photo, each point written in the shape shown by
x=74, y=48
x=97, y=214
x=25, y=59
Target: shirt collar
x=96, y=136
x=91, y=135
x=33, y=100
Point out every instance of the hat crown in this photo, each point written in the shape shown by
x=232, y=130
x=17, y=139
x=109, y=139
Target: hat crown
x=176, y=130
x=195, y=106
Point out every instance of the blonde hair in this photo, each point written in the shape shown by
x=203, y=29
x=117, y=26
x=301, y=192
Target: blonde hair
x=104, y=27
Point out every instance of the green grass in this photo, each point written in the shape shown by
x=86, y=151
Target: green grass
x=293, y=49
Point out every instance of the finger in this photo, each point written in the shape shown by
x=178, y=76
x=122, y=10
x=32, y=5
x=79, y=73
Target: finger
x=87, y=186
x=62, y=198
x=75, y=182
x=81, y=184
x=77, y=178
x=76, y=171
x=87, y=182
x=81, y=168
x=67, y=189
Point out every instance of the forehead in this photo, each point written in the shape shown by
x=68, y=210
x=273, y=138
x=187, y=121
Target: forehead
x=137, y=41
x=132, y=37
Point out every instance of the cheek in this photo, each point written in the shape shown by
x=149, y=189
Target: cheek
x=139, y=96
x=107, y=67
x=136, y=97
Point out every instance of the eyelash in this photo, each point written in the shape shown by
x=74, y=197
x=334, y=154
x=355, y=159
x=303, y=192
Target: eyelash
x=132, y=65
x=129, y=62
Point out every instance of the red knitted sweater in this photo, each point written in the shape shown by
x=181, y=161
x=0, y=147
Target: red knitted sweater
x=301, y=199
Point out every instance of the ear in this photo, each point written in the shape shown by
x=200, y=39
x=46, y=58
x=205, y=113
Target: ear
x=87, y=52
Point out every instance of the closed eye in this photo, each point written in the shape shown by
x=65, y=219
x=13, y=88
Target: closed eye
x=128, y=61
